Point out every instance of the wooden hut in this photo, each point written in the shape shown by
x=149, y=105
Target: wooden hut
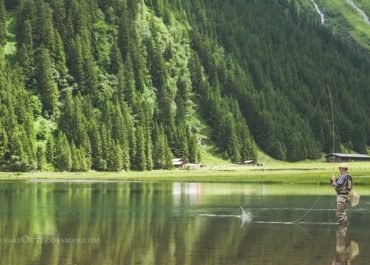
x=338, y=157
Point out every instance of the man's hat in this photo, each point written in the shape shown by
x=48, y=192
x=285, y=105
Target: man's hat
x=343, y=165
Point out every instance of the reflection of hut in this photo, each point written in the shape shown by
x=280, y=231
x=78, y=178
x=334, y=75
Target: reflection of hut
x=249, y=163
x=338, y=157
x=178, y=162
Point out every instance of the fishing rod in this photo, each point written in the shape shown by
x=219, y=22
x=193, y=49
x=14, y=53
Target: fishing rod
x=333, y=148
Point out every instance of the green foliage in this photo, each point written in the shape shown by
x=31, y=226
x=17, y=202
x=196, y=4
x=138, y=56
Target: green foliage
x=17, y=133
x=129, y=85
x=63, y=156
x=45, y=83
x=2, y=23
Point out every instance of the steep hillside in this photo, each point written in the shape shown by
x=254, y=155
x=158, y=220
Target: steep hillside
x=347, y=18
x=111, y=85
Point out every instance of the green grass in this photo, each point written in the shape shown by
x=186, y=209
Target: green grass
x=10, y=46
x=345, y=20
x=307, y=172
x=364, y=5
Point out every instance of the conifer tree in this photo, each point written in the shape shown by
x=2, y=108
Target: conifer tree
x=115, y=161
x=76, y=60
x=59, y=55
x=116, y=63
x=124, y=33
x=96, y=146
x=63, y=158
x=46, y=85
x=359, y=139
x=41, y=158
x=75, y=158
x=44, y=27
x=25, y=53
x=130, y=88
x=193, y=149
x=50, y=151
x=2, y=23
x=3, y=142
x=140, y=161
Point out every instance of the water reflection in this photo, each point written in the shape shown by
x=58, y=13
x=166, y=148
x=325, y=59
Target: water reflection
x=346, y=250
x=159, y=223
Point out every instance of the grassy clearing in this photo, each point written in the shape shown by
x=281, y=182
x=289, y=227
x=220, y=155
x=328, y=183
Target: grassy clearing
x=307, y=172
x=10, y=46
x=364, y=5
x=345, y=19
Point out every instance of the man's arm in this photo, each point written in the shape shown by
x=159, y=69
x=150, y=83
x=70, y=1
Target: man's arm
x=334, y=181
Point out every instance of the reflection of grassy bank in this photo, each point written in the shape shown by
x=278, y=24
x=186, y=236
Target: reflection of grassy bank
x=276, y=172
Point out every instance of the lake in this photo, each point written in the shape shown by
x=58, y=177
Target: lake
x=110, y=223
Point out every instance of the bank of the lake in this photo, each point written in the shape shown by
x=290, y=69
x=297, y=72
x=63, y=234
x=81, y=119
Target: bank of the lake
x=284, y=173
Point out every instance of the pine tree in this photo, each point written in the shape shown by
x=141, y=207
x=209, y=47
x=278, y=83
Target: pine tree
x=46, y=85
x=193, y=149
x=116, y=63
x=50, y=151
x=129, y=140
x=63, y=158
x=140, y=161
x=115, y=161
x=59, y=55
x=2, y=23
x=76, y=60
x=96, y=146
x=41, y=158
x=17, y=158
x=359, y=139
x=124, y=34
x=89, y=67
x=45, y=36
x=25, y=52
x=3, y=142
x=162, y=155
x=130, y=88
x=59, y=15
x=75, y=159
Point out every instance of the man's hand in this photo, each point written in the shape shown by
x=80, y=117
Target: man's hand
x=333, y=178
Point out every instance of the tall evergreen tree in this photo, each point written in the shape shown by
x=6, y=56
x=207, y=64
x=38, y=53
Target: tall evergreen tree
x=2, y=23
x=46, y=84
x=63, y=157
x=140, y=162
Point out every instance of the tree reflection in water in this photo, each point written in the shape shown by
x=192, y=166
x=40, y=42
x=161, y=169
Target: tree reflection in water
x=159, y=223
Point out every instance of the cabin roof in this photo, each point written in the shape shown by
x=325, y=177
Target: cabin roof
x=348, y=155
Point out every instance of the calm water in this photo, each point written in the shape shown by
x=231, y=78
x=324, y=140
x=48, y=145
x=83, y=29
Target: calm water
x=172, y=223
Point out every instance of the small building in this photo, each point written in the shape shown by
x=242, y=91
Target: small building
x=338, y=157
x=250, y=163
x=178, y=162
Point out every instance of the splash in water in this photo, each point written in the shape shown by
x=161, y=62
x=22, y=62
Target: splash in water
x=245, y=216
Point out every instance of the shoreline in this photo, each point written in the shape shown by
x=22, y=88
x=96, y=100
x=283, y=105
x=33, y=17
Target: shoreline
x=281, y=173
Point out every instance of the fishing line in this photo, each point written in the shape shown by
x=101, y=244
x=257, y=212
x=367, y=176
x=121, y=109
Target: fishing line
x=333, y=147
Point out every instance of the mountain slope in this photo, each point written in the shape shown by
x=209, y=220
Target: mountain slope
x=348, y=18
x=114, y=85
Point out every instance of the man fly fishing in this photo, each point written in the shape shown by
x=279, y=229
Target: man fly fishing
x=343, y=187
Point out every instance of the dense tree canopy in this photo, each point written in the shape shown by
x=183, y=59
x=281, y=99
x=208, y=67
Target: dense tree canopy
x=112, y=85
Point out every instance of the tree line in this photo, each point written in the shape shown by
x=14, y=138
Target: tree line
x=128, y=85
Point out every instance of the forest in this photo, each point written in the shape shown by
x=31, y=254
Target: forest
x=113, y=85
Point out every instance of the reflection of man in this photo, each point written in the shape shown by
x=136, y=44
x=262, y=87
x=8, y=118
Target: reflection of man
x=343, y=186
x=345, y=252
